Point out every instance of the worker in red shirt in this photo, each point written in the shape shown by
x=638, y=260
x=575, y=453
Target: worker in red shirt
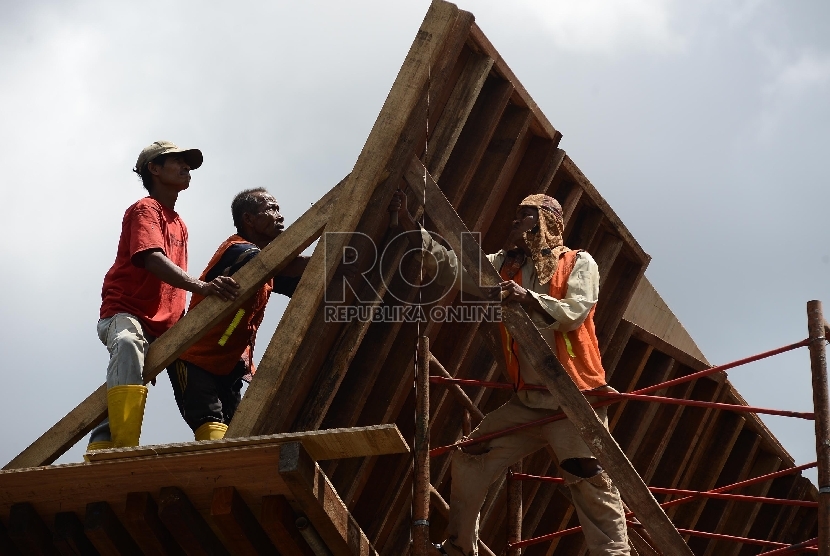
x=144, y=290
x=207, y=378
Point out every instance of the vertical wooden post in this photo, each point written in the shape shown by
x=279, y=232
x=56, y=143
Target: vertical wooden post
x=818, y=364
x=420, y=502
x=514, y=509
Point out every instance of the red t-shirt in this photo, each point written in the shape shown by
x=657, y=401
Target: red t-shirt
x=128, y=287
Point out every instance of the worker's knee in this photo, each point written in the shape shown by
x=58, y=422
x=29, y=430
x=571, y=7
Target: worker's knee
x=584, y=468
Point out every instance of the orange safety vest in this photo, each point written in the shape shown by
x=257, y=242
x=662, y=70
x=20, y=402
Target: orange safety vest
x=577, y=350
x=225, y=344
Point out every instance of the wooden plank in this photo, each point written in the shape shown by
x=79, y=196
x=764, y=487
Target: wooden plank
x=70, y=487
x=81, y=420
x=321, y=444
x=632, y=422
x=456, y=111
x=142, y=519
x=541, y=122
x=494, y=173
x=736, y=469
x=70, y=538
x=279, y=522
x=237, y=523
x=562, y=388
x=187, y=525
x=107, y=533
x=684, y=436
x=475, y=136
x=615, y=348
x=707, y=465
x=29, y=532
x=655, y=445
x=314, y=495
x=370, y=171
x=645, y=417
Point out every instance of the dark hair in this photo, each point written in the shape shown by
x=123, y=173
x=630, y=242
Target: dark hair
x=245, y=201
x=144, y=171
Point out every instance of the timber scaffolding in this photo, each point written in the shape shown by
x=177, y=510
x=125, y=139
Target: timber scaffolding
x=324, y=389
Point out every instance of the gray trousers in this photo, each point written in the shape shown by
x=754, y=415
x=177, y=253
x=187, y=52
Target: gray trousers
x=125, y=340
x=597, y=500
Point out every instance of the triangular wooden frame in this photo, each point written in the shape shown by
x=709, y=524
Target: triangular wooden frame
x=484, y=130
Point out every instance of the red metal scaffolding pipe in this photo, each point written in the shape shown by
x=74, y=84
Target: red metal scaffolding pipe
x=700, y=403
x=435, y=452
x=747, y=482
x=740, y=484
x=712, y=370
x=792, y=549
x=688, y=493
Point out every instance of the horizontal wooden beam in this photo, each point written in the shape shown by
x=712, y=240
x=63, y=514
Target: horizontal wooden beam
x=29, y=532
x=187, y=525
x=280, y=523
x=107, y=532
x=559, y=383
x=375, y=440
x=70, y=537
x=141, y=517
x=72, y=486
x=238, y=525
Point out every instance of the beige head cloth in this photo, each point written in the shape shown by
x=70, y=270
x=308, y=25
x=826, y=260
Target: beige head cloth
x=545, y=240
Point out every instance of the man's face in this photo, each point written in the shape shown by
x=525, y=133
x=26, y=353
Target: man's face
x=267, y=222
x=173, y=172
x=525, y=220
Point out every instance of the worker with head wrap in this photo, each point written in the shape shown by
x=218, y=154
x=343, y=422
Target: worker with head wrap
x=559, y=288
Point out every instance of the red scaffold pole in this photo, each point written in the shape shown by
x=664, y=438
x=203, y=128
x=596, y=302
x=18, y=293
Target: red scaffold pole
x=435, y=452
x=687, y=493
x=740, y=484
x=711, y=405
x=791, y=549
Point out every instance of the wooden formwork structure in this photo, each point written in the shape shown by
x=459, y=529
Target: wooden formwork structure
x=488, y=146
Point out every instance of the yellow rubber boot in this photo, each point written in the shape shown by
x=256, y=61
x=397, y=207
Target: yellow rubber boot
x=211, y=431
x=97, y=445
x=126, y=412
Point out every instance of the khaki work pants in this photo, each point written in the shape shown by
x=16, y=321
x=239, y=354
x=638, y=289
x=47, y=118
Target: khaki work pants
x=125, y=339
x=596, y=499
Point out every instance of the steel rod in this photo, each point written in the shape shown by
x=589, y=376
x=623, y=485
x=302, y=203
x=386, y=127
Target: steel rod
x=689, y=493
x=700, y=403
x=792, y=549
x=706, y=372
x=740, y=484
x=818, y=366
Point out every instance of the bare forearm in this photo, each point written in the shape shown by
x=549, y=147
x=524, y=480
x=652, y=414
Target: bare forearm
x=167, y=271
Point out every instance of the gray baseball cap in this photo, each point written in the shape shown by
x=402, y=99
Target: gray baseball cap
x=193, y=157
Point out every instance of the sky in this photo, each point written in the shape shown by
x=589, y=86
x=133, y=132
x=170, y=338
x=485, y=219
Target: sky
x=702, y=122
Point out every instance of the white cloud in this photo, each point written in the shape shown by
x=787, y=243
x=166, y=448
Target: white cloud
x=801, y=75
x=796, y=82
x=596, y=26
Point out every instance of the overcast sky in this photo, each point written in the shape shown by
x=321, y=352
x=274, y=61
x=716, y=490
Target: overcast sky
x=703, y=123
